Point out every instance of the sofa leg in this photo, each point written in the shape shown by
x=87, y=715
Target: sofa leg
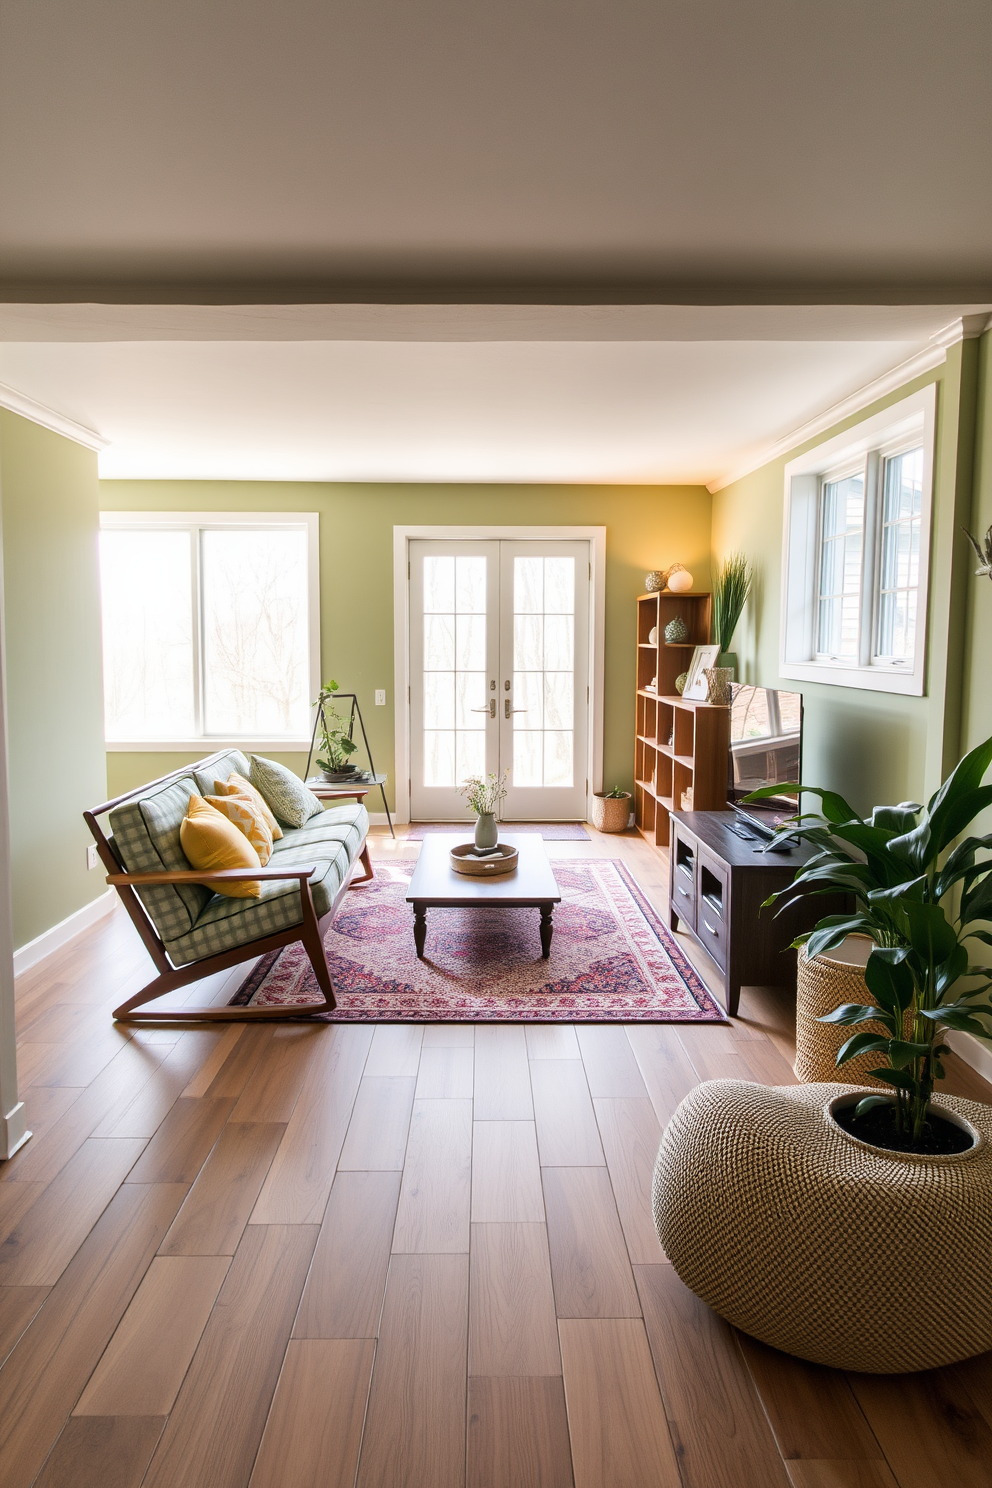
x=314, y=947
x=366, y=862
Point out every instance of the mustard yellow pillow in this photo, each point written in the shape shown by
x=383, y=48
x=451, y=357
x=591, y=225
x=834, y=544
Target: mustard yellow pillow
x=242, y=811
x=210, y=841
x=237, y=785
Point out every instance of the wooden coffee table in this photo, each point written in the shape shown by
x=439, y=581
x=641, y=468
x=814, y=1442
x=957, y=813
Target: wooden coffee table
x=435, y=884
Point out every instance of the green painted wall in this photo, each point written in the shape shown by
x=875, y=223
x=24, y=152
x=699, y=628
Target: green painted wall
x=872, y=746
x=976, y=713
x=50, y=506
x=647, y=527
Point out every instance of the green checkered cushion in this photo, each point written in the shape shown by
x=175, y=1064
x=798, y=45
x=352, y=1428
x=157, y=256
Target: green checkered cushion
x=331, y=842
x=146, y=836
x=225, y=765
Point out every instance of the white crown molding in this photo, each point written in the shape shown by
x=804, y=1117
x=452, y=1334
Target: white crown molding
x=39, y=413
x=966, y=328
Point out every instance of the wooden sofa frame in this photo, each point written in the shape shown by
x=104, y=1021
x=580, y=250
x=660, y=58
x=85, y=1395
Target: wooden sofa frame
x=309, y=929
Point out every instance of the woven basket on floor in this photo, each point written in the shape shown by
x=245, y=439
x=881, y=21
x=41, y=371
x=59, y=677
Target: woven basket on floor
x=818, y=1245
x=822, y=984
x=611, y=813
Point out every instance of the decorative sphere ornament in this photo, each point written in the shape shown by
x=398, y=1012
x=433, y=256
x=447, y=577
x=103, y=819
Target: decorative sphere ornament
x=679, y=579
x=680, y=682
x=676, y=631
x=654, y=581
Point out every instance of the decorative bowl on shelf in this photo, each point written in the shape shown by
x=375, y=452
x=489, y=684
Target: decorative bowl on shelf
x=679, y=579
x=676, y=631
x=466, y=858
x=654, y=581
x=680, y=682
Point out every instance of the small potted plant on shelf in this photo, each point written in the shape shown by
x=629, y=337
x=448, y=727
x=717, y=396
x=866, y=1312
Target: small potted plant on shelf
x=484, y=794
x=733, y=586
x=336, y=743
x=611, y=810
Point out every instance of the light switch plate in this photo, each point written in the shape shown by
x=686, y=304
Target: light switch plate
x=380, y=697
x=91, y=857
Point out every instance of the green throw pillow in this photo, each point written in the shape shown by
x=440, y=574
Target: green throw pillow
x=286, y=795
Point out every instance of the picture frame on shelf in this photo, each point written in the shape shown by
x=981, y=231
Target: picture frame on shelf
x=695, y=687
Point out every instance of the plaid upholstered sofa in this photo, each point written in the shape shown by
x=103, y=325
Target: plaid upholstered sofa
x=190, y=930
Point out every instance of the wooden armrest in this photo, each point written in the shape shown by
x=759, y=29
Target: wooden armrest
x=217, y=875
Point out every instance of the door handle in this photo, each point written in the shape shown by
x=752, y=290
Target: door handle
x=490, y=708
x=507, y=710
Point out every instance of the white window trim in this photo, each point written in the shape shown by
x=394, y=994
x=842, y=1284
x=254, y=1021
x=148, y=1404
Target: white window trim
x=901, y=426
x=402, y=537
x=227, y=520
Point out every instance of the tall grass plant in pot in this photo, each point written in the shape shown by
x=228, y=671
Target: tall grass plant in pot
x=734, y=582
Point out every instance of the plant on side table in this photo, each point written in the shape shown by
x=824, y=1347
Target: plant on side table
x=920, y=905
x=336, y=743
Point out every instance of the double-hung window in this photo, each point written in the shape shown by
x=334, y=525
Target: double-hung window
x=856, y=550
x=210, y=628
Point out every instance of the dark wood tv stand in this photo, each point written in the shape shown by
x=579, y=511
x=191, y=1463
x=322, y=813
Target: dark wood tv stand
x=718, y=882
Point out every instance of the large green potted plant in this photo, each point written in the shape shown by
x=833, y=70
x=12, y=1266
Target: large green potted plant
x=786, y=1207
x=921, y=900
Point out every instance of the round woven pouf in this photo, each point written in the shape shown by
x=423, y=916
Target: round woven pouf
x=822, y=984
x=818, y=1245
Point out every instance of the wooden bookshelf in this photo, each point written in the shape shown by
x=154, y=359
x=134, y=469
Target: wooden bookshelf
x=679, y=744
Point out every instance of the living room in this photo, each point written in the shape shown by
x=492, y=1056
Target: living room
x=368, y=1170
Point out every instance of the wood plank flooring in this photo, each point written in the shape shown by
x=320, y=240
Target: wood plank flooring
x=312, y=1256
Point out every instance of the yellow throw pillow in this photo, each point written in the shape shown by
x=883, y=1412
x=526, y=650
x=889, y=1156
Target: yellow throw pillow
x=237, y=785
x=210, y=841
x=245, y=815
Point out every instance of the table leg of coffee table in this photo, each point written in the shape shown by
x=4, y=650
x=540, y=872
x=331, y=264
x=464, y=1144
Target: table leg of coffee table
x=420, y=928
x=547, y=929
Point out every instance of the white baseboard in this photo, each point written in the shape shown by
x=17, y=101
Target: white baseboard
x=13, y=1131
x=59, y=935
x=978, y=1055
x=380, y=819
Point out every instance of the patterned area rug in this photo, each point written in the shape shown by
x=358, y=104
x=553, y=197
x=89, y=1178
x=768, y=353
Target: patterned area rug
x=550, y=831
x=612, y=959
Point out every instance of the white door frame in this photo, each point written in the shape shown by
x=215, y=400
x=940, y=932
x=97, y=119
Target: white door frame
x=402, y=536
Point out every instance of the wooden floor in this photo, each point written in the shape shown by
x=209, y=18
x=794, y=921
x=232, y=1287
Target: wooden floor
x=408, y=1257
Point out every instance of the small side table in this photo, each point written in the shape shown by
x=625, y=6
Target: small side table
x=343, y=790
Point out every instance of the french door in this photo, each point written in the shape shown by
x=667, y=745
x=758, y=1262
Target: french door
x=499, y=669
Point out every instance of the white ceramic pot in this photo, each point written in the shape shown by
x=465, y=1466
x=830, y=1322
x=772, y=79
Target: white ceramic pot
x=680, y=582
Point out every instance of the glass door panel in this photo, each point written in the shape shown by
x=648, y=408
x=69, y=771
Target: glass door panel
x=545, y=589
x=453, y=589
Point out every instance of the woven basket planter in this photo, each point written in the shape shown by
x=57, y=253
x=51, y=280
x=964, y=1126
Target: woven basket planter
x=610, y=813
x=807, y=1239
x=822, y=984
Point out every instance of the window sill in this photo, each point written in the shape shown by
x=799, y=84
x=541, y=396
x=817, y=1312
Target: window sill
x=907, y=681
x=209, y=746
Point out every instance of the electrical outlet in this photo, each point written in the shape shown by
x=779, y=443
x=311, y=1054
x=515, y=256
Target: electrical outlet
x=380, y=697
x=91, y=858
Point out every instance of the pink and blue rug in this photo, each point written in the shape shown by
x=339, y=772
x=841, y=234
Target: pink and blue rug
x=612, y=959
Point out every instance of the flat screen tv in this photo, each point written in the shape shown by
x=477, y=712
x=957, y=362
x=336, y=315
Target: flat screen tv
x=766, y=748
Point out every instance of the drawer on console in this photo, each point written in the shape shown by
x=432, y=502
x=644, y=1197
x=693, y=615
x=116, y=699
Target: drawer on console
x=711, y=932
x=713, y=887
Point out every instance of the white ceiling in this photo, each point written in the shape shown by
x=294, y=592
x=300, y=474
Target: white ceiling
x=593, y=395
x=752, y=143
